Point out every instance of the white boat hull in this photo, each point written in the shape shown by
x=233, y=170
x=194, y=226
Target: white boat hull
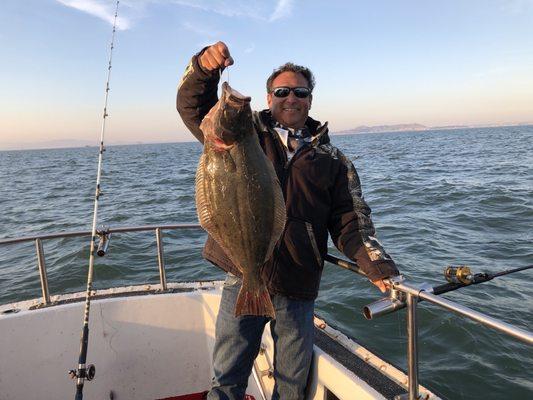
x=146, y=345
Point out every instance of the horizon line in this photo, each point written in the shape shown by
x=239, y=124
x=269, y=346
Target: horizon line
x=346, y=132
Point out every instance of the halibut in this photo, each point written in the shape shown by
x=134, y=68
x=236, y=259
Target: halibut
x=238, y=196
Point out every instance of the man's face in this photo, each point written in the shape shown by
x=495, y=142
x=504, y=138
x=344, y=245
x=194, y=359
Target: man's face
x=289, y=111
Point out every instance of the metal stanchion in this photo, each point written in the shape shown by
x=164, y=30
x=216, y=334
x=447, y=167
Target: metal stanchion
x=160, y=258
x=42, y=270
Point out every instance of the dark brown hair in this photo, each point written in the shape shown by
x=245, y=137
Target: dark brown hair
x=291, y=67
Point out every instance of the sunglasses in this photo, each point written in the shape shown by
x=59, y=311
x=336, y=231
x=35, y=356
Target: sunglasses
x=283, y=91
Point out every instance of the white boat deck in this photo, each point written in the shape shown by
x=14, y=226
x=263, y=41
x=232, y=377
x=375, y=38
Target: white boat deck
x=148, y=344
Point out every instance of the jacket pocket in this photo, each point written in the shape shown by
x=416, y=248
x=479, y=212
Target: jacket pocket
x=312, y=239
x=298, y=264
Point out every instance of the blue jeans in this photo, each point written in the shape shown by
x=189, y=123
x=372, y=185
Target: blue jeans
x=238, y=340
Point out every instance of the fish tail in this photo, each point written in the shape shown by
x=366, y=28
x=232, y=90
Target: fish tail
x=254, y=302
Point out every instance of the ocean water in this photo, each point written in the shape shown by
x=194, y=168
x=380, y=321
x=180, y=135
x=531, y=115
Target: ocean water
x=438, y=198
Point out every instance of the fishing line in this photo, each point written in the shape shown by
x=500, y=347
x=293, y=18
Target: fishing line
x=221, y=71
x=87, y=372
x=400, y=325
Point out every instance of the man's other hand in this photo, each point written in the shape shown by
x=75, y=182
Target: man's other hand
x=215, y=57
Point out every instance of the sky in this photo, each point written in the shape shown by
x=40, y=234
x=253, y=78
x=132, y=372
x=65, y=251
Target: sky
x=431, y=62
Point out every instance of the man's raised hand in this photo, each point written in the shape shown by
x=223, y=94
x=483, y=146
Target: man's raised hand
x=215, y=57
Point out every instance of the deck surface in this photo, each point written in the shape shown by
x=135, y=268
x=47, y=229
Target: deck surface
x=377, y=380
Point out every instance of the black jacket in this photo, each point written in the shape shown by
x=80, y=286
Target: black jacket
x=322, y=193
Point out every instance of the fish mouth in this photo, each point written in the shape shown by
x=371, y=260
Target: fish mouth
x=234, y=97
x=219, y=145
x=234, y=112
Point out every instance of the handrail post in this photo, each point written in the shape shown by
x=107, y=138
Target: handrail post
x=42, y=270
x=412, y=346
x=160, y=258
x=412, y=350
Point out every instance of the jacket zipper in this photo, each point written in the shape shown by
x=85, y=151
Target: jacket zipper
x=312, y=238
x=286, y=162
x=286, y=165
x=283, y=183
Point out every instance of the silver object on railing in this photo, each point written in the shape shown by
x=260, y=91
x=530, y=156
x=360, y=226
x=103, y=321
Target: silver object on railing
x=103, y=243
x=42, y=270
x=394, y=302
x=160, y=258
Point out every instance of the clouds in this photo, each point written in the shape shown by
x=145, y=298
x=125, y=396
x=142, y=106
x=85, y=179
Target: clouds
x=131, y=11
x=516, y=6
x=283, y=10
x=249, y=49
x=201, y=30
x=255, y=9
x=104, y=10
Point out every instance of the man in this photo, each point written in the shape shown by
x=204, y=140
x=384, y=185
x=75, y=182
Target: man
x=322, y=193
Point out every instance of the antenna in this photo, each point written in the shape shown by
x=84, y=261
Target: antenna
x=87, y=372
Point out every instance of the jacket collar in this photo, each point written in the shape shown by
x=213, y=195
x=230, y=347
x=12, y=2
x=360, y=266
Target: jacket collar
x=319, y=132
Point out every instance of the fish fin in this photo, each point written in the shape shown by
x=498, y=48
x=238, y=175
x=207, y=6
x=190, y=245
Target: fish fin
x=254, y=303
x=280, y=217
x=202, y=203
x=202, y=206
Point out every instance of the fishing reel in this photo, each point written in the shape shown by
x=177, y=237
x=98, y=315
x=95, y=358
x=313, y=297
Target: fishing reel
x=87, y=373
x=459, y=274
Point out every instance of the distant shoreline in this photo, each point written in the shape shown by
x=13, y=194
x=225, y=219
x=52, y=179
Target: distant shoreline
x=419, y=128
x=65, y=146
x=399, y=128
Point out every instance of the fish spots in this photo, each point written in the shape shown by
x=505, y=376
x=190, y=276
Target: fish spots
x=241, y=196
x=229, y=163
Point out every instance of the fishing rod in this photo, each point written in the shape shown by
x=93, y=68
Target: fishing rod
x=83, y=371
x=457, y=277
x=349, y=265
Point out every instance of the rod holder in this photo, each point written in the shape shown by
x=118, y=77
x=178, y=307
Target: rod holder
x=382, y=307
x=393, y=302
x=103, y=243
x=42, y=270
x=161, y=258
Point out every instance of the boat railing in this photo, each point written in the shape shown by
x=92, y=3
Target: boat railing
x=403, y=294
x=104, y=235
x=408, y=294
